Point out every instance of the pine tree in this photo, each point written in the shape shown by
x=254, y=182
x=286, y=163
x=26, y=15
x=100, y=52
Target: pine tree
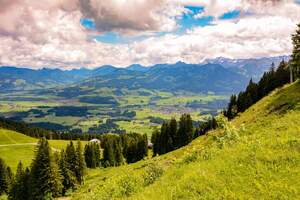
x=80, y=164
x=20, y=186
x=10, y=176
x=295, y=61
x=145, y=145
x=88, y=156
x=97, y=154
x=173, y=132
x=154, y=140
x=45, y=179
x=4, y=179
x=163, y=139
x=232, y=107
x=71, y=158
x=68, y=179
x=185, y=129
x=108, y=153
x=117, y=148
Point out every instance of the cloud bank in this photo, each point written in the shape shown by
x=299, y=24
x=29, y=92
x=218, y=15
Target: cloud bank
x=49, y=33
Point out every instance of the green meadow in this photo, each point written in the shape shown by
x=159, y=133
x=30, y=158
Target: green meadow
x=15, y=147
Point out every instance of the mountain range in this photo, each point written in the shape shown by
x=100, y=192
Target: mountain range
x=221, y=75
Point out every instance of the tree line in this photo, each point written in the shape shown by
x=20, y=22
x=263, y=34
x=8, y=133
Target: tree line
x=256, y=91
x=52, y=175
x=173, y=135
x=37, y=132
x=118, y=149
x=49, y=175
x=286, y=72
x=295, y=58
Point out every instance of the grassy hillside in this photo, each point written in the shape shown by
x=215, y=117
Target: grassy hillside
x=256, y=156
x=15, y=147
x=11, y=137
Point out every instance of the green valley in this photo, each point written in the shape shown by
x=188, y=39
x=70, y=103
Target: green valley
x=126, y=109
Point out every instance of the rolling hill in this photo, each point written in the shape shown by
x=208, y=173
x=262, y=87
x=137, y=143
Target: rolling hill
x=255, y=156
x=15, y=147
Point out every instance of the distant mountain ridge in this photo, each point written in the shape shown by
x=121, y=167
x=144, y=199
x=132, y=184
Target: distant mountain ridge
x=208, y=75
x=251, y=68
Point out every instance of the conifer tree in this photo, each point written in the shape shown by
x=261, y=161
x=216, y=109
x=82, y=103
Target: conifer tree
x=154, y=141
x=10, y=176
x=173, y=132
x=97, y=154
x=4, y=179
x=68, y=179
x=20, y=186
x=71, y=160
x=119, y=159
x=80, y=163
x=295, y=61
x=185, y=129
x=88, y=156
x=45, y=179
x=109, y=149
x=144, y=146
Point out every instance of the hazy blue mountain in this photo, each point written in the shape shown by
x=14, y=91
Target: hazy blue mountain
x=218, y=75
x=13, y=78
x=176, y=77
x=138, y=68
x=80, y=73
x=251, y=68
x=104, y=70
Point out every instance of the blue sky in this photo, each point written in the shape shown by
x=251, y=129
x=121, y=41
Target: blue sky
x=186, y=22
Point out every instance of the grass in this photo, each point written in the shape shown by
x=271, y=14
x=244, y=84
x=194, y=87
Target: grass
x=15, y=147
x=138, y=126
x=256, y=156
x=19, y=106
x=175, y=100
x=11, y=137
x=64, y=120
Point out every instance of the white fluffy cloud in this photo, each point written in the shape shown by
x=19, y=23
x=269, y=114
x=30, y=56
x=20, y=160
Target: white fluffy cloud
x=48, y=32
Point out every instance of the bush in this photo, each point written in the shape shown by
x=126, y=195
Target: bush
x=152, y=173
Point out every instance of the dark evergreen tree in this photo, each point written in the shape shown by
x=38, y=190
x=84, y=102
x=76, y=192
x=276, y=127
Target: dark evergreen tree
x=20, y=186
x=92, y=155
x=10, y=176
x=69, y=180
x=295, y=61
x=155, y=142
x=71, y=159
x=117, y=148
x=232, y=107
x=4, y=177
x=80, y=163
x=185, y=130
x=173, y=132
x=45, y=179
x=89, y=157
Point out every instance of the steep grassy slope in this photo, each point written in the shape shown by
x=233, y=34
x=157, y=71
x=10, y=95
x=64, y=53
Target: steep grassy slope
x=15, y=147
x=256, y=156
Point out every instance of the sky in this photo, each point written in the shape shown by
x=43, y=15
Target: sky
x=89, y=33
